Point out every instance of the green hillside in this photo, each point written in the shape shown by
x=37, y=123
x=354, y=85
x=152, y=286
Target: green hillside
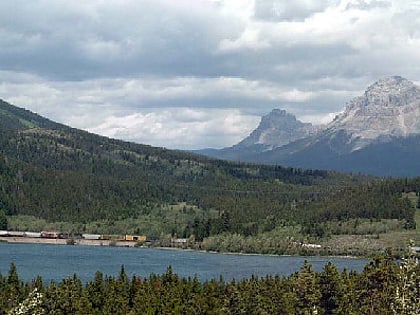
x=53, y=173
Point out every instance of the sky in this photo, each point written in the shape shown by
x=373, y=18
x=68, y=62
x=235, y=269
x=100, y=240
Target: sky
x=192, y=74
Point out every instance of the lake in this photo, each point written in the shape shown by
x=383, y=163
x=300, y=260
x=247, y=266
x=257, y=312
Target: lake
x=60, y=261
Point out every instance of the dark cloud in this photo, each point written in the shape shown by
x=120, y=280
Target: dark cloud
x=80, y=41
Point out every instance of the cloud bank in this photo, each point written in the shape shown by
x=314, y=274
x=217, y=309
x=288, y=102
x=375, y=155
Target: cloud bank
x=199, y=73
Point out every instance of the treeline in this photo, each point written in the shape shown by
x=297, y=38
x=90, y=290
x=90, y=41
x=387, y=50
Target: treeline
x=383, y=287
x=14, y=118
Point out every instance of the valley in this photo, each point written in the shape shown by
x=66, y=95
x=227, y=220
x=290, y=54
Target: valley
x=57, y=178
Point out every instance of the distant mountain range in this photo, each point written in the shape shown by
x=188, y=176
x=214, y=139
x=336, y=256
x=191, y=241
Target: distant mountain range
x=378, y=133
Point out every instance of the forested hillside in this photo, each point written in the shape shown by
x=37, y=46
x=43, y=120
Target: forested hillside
x=59, y=174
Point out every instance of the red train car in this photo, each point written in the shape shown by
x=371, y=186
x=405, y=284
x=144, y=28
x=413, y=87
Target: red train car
x=47, y=234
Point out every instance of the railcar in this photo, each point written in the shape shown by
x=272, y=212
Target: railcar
x=49, y=234
x=33, y=234
x=16, y=233
x=137, y=238
x=91, y=236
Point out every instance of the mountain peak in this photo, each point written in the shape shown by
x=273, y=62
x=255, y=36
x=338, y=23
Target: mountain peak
x=277, y=128
x=278, y=117
x=389, y=108
x=391, y=91
x=391, y=81
x=278, y=112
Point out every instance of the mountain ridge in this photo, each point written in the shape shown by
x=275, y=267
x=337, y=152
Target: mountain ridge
x=15, y=118
x=387, y=115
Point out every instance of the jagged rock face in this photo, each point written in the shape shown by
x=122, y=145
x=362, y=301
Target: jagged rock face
x=388, y=108
x=276, y=129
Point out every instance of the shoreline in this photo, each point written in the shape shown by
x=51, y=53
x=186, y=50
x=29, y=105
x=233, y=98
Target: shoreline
x=112, y=243
x=256, y=254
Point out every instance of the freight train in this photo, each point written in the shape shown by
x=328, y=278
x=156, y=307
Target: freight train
x=55, y=235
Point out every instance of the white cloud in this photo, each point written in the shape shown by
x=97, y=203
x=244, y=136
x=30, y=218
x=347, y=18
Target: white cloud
x=181, y=128
x=319, y=119
x=39, y=94
x=249, y=39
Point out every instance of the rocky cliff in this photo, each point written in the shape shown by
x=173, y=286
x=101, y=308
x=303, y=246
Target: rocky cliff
x=276, y=129
x=388, y=108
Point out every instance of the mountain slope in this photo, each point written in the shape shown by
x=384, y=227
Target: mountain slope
x=15, y=118
x=395, y=157
x=378, y=133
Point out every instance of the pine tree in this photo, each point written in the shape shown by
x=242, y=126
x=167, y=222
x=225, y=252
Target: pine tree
x=96, y=292
x=376, y=285
x=331, y=286
x=306, y=287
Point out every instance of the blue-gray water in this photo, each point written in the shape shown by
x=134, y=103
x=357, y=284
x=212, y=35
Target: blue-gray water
x=60, y=261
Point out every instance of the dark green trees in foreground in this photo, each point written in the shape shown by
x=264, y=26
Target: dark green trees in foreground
x=383, y=287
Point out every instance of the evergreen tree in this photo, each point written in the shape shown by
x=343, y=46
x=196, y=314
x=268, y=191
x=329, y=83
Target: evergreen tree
x=376, y=285
x=332, y=289
x=307, y=289
x=96, y=292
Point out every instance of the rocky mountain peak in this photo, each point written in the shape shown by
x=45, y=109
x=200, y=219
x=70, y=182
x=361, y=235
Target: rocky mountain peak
x=276, y=129
x=278, y=112
x=278, y=117
x=391, y=91
x=391, y=83
x=388, y=108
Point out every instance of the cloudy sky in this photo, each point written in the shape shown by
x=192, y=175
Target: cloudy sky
x=192, y=74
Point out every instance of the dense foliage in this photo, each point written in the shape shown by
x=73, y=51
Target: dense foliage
x=383, y=287
x=58, y=174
